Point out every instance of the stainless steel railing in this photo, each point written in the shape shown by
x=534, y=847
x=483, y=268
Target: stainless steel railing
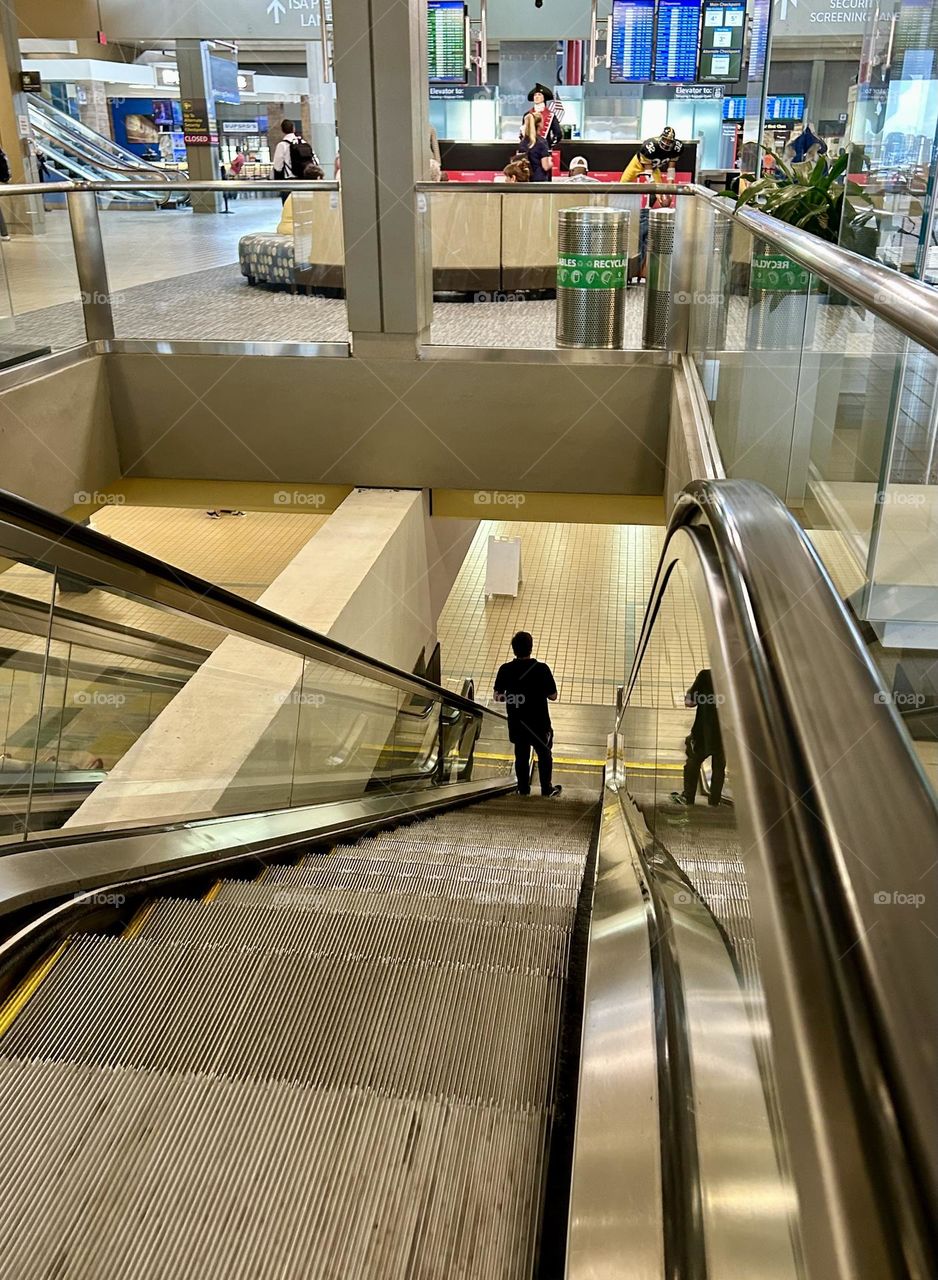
x=911, y=307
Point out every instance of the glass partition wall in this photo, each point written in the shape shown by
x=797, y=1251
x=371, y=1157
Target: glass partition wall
x=116, y=711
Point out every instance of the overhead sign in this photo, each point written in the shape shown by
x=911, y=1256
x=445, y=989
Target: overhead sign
x=699, y=91
x=208, y=19
x=461, y=92
x=820, y=17
x=241, y=126
x=30, y=82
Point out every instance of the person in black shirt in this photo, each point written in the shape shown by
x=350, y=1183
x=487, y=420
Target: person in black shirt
x=526, y=686
x=703, y=741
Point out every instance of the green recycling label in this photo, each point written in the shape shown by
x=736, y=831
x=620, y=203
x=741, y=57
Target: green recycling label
x=774, y=273
x=584, y=271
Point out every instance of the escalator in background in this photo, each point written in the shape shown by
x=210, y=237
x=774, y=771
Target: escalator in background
x=358, y=1012
x=76, y=153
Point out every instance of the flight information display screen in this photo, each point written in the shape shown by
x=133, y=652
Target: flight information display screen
x=784, y=108
x=734, y=108
x=633, y=38
x=721, y=41
x=677, y=41
x=446, y=34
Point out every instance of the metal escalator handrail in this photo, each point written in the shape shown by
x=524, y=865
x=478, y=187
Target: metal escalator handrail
x=850, y=784
x=38, y=536
x=909, y=305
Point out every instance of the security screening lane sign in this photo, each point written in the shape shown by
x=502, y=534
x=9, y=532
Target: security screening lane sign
x=583, y=271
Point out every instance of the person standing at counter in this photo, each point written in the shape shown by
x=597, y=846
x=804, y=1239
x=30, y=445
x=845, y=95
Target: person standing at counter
x=542, y=100
x=652, y=156
x=535, y=149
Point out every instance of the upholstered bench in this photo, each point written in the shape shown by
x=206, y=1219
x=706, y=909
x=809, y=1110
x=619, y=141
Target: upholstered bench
x=268, y=258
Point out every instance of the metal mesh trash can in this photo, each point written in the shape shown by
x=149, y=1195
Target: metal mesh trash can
x=778, y=318
x=659, y=271
x=592, y=260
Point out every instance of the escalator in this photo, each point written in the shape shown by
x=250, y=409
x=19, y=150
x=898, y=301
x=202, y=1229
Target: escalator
x=363, y=1012
x=76, y=153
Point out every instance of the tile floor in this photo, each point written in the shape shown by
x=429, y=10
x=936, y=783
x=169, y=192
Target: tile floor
x=583, y=597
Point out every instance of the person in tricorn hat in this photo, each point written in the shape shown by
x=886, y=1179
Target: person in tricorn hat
x=548, y=126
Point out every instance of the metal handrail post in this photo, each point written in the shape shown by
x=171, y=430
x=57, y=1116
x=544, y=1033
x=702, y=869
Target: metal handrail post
x=91, y=264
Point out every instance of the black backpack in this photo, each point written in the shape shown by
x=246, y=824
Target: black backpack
x=301, y=154
x=4, y=166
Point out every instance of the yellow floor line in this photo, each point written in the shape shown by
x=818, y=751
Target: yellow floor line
x=135, y=928
x=17, y=1001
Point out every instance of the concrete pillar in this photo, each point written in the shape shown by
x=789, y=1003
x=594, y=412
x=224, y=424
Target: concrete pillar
x=24, y=214
x=195, y=85
x=92, y=107
x=815, y=91
x=321, y=108
x=383, y=105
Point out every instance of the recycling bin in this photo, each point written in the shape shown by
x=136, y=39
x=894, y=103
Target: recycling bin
x=592, y=262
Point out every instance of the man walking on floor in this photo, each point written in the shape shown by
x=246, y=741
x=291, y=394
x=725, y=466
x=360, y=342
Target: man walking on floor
x=526, y=686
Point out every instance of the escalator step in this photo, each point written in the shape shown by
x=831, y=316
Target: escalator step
x=406, y=901
x=242, y=926
x=557, y=886
x=398, y=1028
x=472, y=848
x=114, y=1175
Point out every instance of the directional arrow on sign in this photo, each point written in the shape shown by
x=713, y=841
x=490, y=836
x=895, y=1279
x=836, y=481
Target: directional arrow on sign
x=277, y=9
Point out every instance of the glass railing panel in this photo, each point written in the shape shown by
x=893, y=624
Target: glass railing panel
x=253, y=269
x=901, y=596
x=117, y=712
x=26, y=594
x=678, y=760
x=846, y=402
x=494, y=256
x=752, y=366
x=40, y=296
x=348, y=736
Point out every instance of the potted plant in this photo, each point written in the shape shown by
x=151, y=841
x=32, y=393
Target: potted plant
x=815, y=196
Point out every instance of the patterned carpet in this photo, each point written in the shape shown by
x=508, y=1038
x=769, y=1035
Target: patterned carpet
x=219, y=305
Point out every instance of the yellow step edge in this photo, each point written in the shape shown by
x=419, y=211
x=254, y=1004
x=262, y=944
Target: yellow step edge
x=24, y=992
x=141, y=916
x=214, y=891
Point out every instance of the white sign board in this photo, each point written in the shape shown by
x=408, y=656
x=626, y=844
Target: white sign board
x=503, y=566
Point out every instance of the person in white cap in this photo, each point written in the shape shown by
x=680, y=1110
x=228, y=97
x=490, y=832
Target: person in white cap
x=579, y=171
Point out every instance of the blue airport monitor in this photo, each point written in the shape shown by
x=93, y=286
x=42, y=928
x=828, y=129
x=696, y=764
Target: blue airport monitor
x=633, y=35
x=677, y=41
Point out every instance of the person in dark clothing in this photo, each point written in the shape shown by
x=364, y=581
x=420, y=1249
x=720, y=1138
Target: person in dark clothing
x=703, y=742
x=526, y=686
x=536, y=150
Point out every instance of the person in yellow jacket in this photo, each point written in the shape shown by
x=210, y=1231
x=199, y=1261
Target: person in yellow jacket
x=653, y=155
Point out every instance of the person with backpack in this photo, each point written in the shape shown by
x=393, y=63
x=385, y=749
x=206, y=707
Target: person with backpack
x=5, y=176
x=292, y=157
